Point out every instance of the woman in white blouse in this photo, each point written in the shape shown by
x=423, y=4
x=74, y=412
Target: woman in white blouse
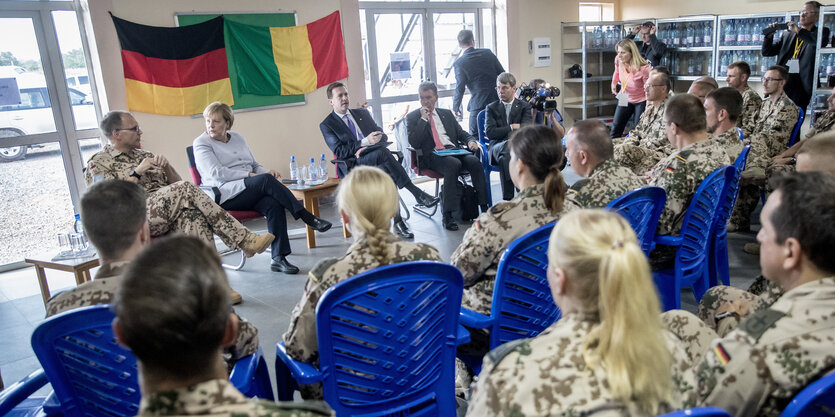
x=224, y=161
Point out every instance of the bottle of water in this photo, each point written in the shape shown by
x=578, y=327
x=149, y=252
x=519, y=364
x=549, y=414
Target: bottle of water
x=730, y=35
x=294, y=168
x=690, y=36
x=697, y=67
x=830, y=65
x=312, y=170
x=723, y=64
x=323, y=168
x=707, y=34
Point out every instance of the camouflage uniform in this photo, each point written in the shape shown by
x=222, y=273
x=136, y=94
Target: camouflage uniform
x=548, y=376
x=180, y=206
x=751, y=104
x=300, y=339
x=729, y=140
x=478, y=255
x=647, y=143
x=219, y=397
x=607, y=181
x=824, y=123
x=723, y=307
x=680, y=174
x=759, y=367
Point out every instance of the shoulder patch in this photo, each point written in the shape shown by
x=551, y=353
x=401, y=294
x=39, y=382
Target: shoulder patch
x=501, y=207
x=318, y=271
x=757, y=323
x=497, y=354
x=684, y=155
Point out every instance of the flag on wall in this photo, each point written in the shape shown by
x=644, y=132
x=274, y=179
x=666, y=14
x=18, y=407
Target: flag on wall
x=287, y=60
x=174, y=70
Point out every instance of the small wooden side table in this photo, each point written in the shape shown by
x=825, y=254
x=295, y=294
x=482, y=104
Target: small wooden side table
x=310, y=196
x=80, y=267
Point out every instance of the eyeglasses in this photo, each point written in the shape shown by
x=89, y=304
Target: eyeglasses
x=804, y=12
x=769, y=79
x=135, y=128
x=656, y=85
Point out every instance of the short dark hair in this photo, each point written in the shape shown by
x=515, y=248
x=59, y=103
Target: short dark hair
x=111, y=121
x=742, y=66
x=173, y=306
x=664, y=77
x=729, y=99
x=807, y=213
x=465, y=38
x=662, y=69
x=815, y=3
x=333, y=86
x=784, y=72
x=594, y=137
x=113, y=212
x=426, y=86
x=506, y=78
x=687, y=112
x=648, y=24
x=541, y=150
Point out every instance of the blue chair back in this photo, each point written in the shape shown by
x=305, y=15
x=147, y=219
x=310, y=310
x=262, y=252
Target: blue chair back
x=387, y=340
x=91, y=374
x=796, y=131
x=719, y=267
x=522, y=304
x=740, y=133
x=641, y=208
x=816, y=400
x=699, y=412
x=481, y=119
x=251, y=377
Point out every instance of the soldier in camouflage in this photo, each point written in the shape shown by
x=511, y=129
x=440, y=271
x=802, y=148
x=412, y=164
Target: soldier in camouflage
x=178, y=339
x=589, y=149
x=738, y=74
x=722, y=109
x=647, y=143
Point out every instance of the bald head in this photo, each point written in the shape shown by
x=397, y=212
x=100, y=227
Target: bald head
x=701, y=89
x=588, y=144
x=817, y=154
x=707, y=80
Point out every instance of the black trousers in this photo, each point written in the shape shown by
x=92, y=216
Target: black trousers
x=500, y=155
x=622, y=115
x=383, y=159
x=450, y=167
x=268, y=196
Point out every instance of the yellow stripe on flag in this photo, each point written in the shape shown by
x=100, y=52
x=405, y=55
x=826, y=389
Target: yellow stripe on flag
x=151, y=98
x=294, y=59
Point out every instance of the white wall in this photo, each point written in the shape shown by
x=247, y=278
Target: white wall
x=639, y=9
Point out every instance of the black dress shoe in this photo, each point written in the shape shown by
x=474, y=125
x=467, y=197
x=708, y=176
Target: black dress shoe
x=320, y=225
x=402, y=229
x=427, y=200
x=282, y=265
x=449, y=223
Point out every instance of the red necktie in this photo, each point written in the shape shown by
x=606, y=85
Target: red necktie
x=435, y=136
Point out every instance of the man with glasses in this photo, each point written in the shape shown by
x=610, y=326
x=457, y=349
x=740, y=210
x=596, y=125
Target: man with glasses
x=738, y=73
x=775, y=123
x=796, y=50
x=647, y=143
x=650, y=47
x=503, y=117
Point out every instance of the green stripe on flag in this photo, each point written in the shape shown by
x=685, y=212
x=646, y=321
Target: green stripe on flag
x=252, y=51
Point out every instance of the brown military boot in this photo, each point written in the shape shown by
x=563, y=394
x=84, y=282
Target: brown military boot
x=235, y=297
x=254, y=244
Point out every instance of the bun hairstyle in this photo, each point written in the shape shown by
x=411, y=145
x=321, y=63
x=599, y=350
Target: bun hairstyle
x=541, y=151
x=609, y=275
x=369, y=198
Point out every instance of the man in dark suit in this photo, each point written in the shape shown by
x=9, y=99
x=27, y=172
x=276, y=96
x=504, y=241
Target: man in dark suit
x=503, y=117
x=475, y=69
x=355, y=138
x=430, y=128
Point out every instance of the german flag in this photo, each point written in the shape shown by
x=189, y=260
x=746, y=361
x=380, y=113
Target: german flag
x=174, y=70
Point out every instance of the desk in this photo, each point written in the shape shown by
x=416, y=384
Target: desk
x=80, y=267
x=310, y=197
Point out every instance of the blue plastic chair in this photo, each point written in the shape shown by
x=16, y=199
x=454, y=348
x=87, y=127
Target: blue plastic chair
x=481, y=120
x=719, y=268
x=522, y=304
x=693, y=243
x=387, y=340
x=741, y=135
x=251, y=376
x=816, y=400
x=641, y=208
x=796, y=131
x=15, y=400
x=699, y=412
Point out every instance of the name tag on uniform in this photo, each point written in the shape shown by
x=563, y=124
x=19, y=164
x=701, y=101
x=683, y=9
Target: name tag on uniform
x=623, y=99
x=794, y=66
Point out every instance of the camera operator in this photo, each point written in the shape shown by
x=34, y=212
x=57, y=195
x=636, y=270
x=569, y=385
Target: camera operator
x=649, y=46
x=544, y=105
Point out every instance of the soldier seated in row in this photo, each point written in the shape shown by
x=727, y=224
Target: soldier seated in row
x=647, y=143
x=590, y=151
x=723, y=107
x=775, y=352
x=700, y=89
x=173, y=311
x=738, y=73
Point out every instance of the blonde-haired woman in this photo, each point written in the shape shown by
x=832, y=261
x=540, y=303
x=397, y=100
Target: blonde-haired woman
x=631, y=73
x=610, y=351
x=367, y=200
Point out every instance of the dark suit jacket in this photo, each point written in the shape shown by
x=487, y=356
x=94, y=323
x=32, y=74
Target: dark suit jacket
x=653, y=52
x=784, y=49
x=340, y=139
x=420, y=132
x=497, y=128
x=477, y=70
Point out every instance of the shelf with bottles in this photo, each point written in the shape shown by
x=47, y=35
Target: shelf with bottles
x=689, y=64
x=758, y=63
x=690, y=34
x=598, y=37
x=745, y=32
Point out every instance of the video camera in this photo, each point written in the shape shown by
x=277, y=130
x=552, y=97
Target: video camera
x=545, y=98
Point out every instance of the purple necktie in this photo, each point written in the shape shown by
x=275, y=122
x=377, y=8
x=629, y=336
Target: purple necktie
x=351, y=126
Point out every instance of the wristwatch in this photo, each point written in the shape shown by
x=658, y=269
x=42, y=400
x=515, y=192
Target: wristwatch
x=135, y=175
x=792, y=161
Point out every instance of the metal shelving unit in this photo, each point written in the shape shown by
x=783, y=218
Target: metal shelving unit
x=825, y=62
x=691, y=47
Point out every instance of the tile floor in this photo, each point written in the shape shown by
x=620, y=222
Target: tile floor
x=269, y=297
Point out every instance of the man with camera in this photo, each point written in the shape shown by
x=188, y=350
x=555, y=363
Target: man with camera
x=475, y=69
x=543, y=99
x=796, y=50
x=650, y=47
x=503, y=117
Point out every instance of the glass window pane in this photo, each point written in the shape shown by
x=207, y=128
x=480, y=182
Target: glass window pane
x=399, y=36
x=447, y=26
x=366, y=61
x=487, y=29
x=75, y=69
x=87, y=148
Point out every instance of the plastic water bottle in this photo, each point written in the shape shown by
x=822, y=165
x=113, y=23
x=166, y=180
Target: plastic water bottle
x=294, y=168
x=730, y=36
x=707, y=35
x=690, y=38
x=312, y=170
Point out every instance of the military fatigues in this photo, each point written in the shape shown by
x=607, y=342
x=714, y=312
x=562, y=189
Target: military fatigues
x=647, y=143
x=824, y=123
x=759, y=367
x=680, y=174
x=300, y=339
x=548, y=376
x=607, y=181
x=219, y=397
x=723, y=307
x=751, y=104
x=484, y=242
x=729, y=140
x=180, y=206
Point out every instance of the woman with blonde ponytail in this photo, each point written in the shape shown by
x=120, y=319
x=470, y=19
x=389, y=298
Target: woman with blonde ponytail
x=367, y=200
x=610, y=351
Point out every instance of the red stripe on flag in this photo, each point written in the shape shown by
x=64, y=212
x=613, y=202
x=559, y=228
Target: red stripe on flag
x=325, y=36
x=178, y=73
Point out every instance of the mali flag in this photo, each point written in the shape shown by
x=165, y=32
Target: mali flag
x=287, y=60
x=174, y=70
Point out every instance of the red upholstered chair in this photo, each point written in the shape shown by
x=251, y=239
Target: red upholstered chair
x=415, y=155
